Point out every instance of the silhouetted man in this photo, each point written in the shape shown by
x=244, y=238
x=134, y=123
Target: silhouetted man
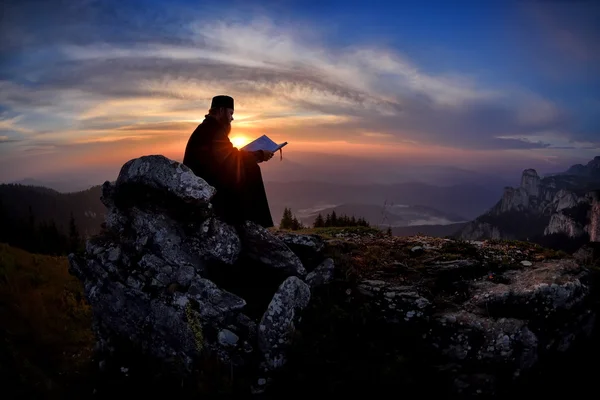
x=235, y=174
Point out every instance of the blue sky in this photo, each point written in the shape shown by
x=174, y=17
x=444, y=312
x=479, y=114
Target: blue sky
x=466, y=83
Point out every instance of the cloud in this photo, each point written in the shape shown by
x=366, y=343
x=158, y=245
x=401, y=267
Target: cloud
x=6, y=139
x=94, y=73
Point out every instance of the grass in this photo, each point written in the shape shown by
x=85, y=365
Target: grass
x=45, y=334
x=331, y=232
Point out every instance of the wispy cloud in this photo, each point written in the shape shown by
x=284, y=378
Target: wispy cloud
x=151, y=79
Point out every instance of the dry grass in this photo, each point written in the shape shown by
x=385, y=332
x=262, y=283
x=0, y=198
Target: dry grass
x=45, y=322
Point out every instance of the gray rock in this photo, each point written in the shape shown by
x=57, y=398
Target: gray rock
x=313, y=242
x=216, y=303
x=277, y=325
x=308, y=248
x=395, y=303
x=322, y=275
x=166, y=176
x=262, y=246
x=165, y=237
x=185, y=274
x=228, y=338
x=526, y=263
x=218, y=241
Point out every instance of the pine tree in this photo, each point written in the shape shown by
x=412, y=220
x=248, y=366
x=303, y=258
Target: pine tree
x=74, y=237
x=389, y=231
x=319, y=222
x=334, y=221
x=296, y=224
x=4, y=224
x=328, y=220
x=287, y=219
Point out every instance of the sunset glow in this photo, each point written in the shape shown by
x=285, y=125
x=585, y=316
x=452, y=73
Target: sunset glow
x=239, y=141
x=143, y=83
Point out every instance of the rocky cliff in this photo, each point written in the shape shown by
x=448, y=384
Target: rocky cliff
x=554, y=210
x=287, y=313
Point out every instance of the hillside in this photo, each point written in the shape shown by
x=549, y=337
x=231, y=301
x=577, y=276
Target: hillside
x=45, y=326
x=399, y=205
x=20, y=202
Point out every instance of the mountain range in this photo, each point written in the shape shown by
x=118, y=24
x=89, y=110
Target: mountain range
x=557, y=204
x=561, y=209
x=457, y=202
x=389, y=215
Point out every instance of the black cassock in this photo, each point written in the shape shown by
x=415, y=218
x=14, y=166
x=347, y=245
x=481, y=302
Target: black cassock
x=235, y=174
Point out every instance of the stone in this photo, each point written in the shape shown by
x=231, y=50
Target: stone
x=262, y=246
x=526, y=263
x=228, y=338
x=277, y=325
x=165, y=176
x=219, y=241
x=322, y=275
x=308, y=248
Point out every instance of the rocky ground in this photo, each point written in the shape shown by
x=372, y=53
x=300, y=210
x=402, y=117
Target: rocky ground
x=211, y=308
x=476, y=318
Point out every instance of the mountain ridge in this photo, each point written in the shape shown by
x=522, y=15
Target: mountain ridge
x=559, y=208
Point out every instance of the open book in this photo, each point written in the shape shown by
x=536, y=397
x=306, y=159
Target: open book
x=263, y=143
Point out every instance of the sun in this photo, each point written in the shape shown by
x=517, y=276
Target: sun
x=239, y=141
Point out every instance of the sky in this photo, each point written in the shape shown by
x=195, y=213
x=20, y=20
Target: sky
x=88, y=84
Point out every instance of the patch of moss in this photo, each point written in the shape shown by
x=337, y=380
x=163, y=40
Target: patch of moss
x=195, y=326
x=459, y=248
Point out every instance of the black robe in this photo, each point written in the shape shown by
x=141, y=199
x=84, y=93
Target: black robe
x=235, y=174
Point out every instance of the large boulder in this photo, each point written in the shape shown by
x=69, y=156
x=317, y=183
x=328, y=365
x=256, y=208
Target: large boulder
x=151, y=275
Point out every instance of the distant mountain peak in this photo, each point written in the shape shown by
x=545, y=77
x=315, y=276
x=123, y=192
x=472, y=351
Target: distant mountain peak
x=560, y=204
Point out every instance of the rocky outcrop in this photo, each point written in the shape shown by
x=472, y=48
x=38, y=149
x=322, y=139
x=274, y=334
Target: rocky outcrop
x=564, y=199
x=592, y=168
x=514, y=200
x=171, y=281
x=554, y=205
x=530, y=182
x=561, y=223
x=594, y=225
x=484, y=314
x=150, y=276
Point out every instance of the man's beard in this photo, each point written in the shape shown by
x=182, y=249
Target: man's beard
x=226, y=126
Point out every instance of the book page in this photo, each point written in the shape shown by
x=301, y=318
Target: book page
x=263, y=143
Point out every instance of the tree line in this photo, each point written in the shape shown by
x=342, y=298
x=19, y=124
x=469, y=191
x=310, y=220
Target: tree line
x=289, y=221
x=39, y=236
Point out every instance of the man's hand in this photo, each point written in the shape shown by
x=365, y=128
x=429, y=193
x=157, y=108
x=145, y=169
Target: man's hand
x=262, y=155
x=267, y=155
